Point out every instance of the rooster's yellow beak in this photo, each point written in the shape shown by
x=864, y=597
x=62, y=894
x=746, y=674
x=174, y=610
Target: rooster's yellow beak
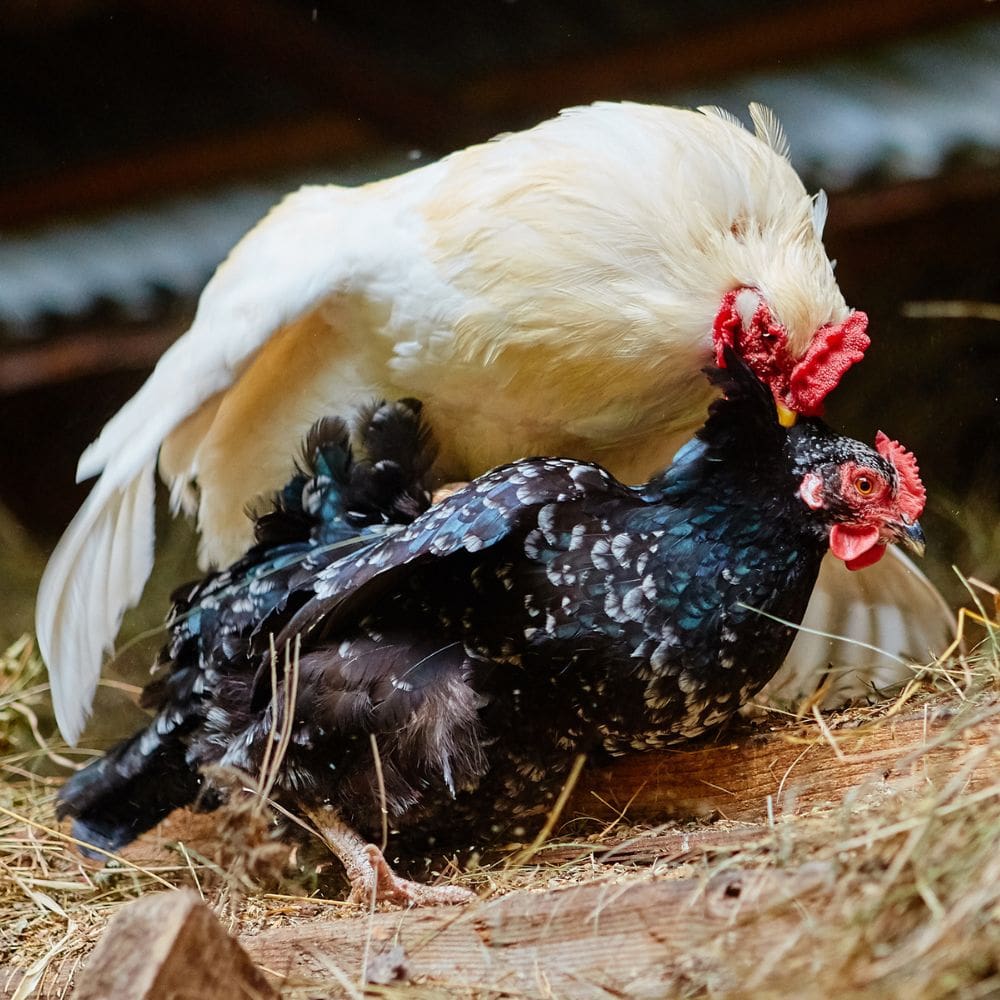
x=786, y=417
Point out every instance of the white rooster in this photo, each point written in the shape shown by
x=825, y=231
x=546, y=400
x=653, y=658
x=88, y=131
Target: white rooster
x=552, y=292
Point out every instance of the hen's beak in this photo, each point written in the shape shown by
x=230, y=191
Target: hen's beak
x=910, y=536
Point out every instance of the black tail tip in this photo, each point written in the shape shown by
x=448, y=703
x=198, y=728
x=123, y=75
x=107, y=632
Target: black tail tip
x=96, y=840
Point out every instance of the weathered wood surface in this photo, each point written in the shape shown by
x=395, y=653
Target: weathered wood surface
x=797, y=765
x=630, y=939
x=790, y=771
x=635, y=936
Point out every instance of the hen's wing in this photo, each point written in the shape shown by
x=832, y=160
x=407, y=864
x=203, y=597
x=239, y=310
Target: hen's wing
x=477, y=517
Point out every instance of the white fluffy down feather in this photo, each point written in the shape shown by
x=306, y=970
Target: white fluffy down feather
x=550, y=292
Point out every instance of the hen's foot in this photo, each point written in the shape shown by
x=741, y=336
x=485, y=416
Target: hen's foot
x=372, y=878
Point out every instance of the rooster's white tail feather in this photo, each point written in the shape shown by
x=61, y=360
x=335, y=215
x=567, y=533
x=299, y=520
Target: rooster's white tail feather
x=891, y=606
x=97, y=571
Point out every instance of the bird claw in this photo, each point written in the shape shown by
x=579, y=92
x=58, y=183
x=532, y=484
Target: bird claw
x=377, y=883
x=372, y=879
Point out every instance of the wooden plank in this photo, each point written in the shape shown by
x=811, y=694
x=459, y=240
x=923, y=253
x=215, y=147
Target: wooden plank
x=794, y=33
x=753, y=778
x=594, y=940
x=794, y=765
x=169, y=945
x=641, y=931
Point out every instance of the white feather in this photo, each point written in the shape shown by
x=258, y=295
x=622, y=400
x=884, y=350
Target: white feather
x=724, y=114
x=891, y=606
x=769, y=128
x=97, y=570
x=820, y=207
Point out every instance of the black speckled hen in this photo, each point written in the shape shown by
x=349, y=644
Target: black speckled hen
x=544, y=610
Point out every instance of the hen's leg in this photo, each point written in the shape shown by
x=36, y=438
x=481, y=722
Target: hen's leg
x=370, y=874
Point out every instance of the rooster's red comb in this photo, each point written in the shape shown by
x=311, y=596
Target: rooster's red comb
x=833, y=349
x=912, y=494
x=745, y=323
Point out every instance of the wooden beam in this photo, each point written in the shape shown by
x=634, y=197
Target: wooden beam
x=192, y=164
x=596, y=940
x=762, y=39
x=593, y=936
x=375, y=107
x=852, y=211
x=80, y=355
x=759, y=776
x=165, y=946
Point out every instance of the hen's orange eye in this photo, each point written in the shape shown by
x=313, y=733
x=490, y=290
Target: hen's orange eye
x=865, y=485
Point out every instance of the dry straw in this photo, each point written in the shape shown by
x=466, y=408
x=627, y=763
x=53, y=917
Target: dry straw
x=912, y=910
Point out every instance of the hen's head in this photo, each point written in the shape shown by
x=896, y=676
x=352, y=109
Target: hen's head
x=799, y=383
x=866, y=497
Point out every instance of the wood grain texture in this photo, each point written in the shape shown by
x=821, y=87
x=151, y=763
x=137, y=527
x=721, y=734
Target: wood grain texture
x=587, y=941
x=791, y=770
x=633, y=935
x=185, y=165
x=583, y=941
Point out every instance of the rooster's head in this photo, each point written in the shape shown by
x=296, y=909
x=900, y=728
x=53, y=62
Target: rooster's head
x=799, y=384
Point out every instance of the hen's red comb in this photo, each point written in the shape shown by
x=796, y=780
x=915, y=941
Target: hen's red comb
x=912, y=494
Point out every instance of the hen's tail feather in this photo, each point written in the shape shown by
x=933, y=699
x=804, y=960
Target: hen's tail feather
x=118, y=797
x=336, y=493
x=389, y=485
x=395, y=432
x=313, y=498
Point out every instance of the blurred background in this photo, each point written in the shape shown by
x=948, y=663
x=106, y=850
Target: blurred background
x=142, y=138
